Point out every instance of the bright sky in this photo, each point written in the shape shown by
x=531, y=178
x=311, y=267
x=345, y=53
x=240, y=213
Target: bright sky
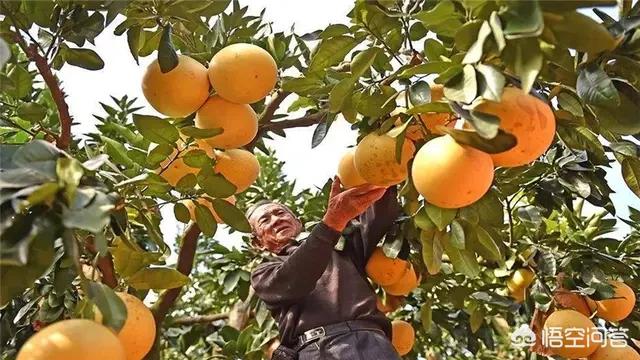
x=309, y=167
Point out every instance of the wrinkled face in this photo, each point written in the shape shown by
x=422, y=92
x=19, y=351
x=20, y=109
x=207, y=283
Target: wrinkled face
x=274, y=226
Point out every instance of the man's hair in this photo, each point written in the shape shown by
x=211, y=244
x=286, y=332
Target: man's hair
x=253, y=207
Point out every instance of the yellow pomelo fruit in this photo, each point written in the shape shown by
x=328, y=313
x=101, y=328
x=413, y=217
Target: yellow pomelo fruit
x=526, y=117
x=173, y=168
x=617, y=308
x=179, y=92
x=139, y=330
x=403, y=336
x=243, y=73
x=238, y=122
x=347, y=172
x=572, y=332
x=608, y=352
x=406, y=284
x=238, y=166
x=519, y=282
x=76, y=339
x=450, y=175
x=384, y=270
x=375, y=160
x=206, y=201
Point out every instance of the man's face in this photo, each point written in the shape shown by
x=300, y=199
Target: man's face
x=274, y=226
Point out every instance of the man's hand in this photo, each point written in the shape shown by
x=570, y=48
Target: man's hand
x=346, y=205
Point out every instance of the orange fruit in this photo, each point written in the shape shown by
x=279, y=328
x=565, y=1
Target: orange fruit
x=179, y=92
x=569, y=334
x=526, y=117
x=243, y=73
x=450, y=175
x=384, y=270
x=375, y=160
x=238, y=121
x=403, y=336
x=608, y=352
x=139, y=330
x=238, y=166
x=347, y=172
x=617, y=308
x=75, y=339
x=405, y=285
x=519, y=282
x=173, y=168
x=206, y=201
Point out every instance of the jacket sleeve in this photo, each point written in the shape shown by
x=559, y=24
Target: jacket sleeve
x=284, y=281
x=374, y=224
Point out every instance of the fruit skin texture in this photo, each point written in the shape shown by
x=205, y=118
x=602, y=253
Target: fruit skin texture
x=571, y=319
x=618, y=308
x=347, y=172
x=238, y=121
x=384, y=270
x=179, y=92
x=75, y=339
x=375, y=160
x=238, y=166
x=243, y=73
x=529, y=119
x=203, y=201
x=519, y=282
x=615, y=353
x=402, y=336
x=450, y=175
x=405, y=285
x=139, y=331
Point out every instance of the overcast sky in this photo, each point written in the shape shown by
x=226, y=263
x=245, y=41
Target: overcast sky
x=309, y=167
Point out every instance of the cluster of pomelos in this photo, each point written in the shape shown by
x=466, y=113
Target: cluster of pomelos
x=446, y=173
x=83, y=339
x=240, y=74
x=398, y=278
x=571, y=323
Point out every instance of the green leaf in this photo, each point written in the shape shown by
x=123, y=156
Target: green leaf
x=420, y=93
x=431, y=250
x=433, y=49
x=197, y=133
x=231, y=281
x=423, y=221
x=340, y=93
x=32, y=111
x=474, y=54
x=522, y=19
x=489, y=246
x=84, y=58
x=22, y=81
x=570, y=103
x=116, y=151
x=128, y=261
x=440, y=217
x=320, y=132
x=38, y=155
x=631, y=174
x=457, y=235
x=197, y=158
x=155, y=129
x=158, y=278
x=570, y=28
x=133, y=40
x=477, y=319
x=330, y=52
x=622, y=119
x=215, y=185
x=463, y=87
x=428, y=68
x=205, y=220
x=167, y=57
x=525, y=58
x=112, y=308
x=231, y=215
x=581, y=138
x=187, y=183
x=302, y=86
x=69, y=173
x=501, y=142
x=374, y=104
x=464, y=261
x=181, y=212
x=363, y=61
x=44, y=193
x=89, y=211
x=595, y=87
x=490, y=83
x=496, y=29
x=442, y=19
x=5, y=53
x=437, y=107
x=426, y=315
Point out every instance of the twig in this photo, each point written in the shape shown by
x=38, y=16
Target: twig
x=104, y=263
x=187, y=253
x=307, y=120
x=199, y=319
x=383, y=44
x=273, y=106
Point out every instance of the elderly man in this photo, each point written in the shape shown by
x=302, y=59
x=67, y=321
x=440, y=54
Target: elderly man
x=320, y=297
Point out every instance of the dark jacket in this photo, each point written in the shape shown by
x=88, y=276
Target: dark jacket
x=311, y=284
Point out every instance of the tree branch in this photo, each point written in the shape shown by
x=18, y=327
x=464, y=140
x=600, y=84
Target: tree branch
x=187, y=253
x=303, y=121
x=199, y=319
x=104, y=264
x=64, y=138
x=273, y=106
